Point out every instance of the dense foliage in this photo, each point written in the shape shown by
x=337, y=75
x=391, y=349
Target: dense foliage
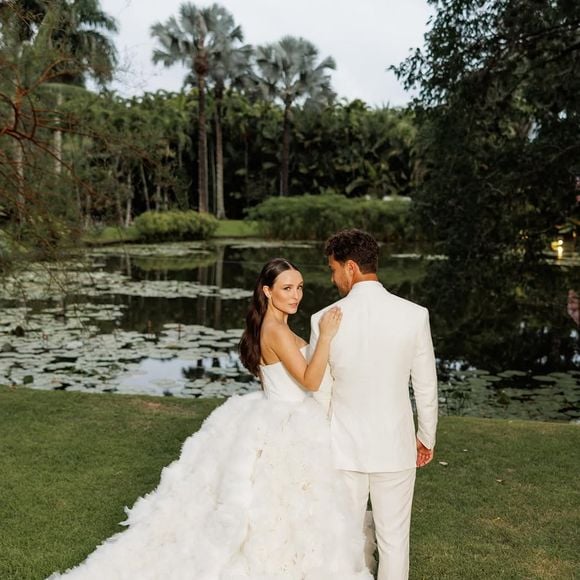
x=165, y=226
x=489, y=152
x=317, y=217
x=83, y=159
x=499, y=111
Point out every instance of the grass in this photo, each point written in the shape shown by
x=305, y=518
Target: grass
x=506, y=505
x=116, y=235
x=110, y=235
x=237, y=229
x=70, y=462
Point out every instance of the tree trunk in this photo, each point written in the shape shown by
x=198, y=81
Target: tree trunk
x=285, y=152
x=246, y=167
x=211, y=176
x=79, y=201
x=57, y=138
x=202, y=149
x=219, y=154
x=19, y=168
x=18, y=164
x=157, y=197
x=145, y=187
x=129, y=204
x=88, y=210
x=165, y=199
x=118, y=201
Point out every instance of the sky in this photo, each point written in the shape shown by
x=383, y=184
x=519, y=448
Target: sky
x=364, y=37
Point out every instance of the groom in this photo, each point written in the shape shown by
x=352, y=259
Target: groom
x=383, y=342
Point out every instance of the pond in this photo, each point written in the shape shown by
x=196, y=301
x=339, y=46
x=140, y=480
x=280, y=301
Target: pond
x=166, y=320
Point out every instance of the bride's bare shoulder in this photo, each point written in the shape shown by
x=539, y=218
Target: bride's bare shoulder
x=274, y=328
x=277, y=335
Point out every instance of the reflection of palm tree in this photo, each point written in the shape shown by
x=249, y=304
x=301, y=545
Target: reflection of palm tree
x=289, y=71
x=573, y=306
x=202, y=278
x=218, y=281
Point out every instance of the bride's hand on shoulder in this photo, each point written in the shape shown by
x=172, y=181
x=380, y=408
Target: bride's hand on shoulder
x=330, y=323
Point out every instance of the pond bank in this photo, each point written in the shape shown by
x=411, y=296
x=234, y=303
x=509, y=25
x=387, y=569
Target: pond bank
x=500, y=500
x=110, y=235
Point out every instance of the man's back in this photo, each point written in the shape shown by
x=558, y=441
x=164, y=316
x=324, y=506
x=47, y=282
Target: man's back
x=383, y=341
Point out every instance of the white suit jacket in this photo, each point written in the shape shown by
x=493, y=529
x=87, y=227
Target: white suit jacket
x=383, y=342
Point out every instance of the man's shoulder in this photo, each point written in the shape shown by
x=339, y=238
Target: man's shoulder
x=317, y=315
x=407, y=305
x=385, y=297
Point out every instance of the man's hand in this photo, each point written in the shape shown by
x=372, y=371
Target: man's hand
x=424, y=455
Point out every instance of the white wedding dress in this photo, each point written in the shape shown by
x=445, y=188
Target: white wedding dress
x=254, y=495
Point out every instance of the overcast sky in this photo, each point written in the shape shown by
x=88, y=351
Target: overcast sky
x=365, y=37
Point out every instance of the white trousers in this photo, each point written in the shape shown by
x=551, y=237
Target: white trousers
x=392, y=498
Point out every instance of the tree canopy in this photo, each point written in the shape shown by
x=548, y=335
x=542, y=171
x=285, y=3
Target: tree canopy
x=498, y=111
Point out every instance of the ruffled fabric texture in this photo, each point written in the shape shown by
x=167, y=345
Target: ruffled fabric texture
x=254, y=495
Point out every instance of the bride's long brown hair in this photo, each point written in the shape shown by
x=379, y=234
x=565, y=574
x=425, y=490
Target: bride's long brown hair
x=250, y=351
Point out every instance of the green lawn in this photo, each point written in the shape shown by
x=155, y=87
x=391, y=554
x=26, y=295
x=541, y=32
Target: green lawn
x=505, y=506
x=110, y=235
x=237, y=229
x=116, y=235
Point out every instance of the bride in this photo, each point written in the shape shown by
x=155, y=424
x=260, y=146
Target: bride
x=254, y=493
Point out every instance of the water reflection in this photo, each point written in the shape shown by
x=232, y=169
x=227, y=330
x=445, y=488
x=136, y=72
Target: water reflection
x=501, y=317
x=506, y=342
x=506, y=337
x=573, y=306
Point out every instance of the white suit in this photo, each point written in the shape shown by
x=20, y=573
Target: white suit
x=383, y=342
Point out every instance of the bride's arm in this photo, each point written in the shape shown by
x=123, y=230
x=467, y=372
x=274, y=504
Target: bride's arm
x=309, y=375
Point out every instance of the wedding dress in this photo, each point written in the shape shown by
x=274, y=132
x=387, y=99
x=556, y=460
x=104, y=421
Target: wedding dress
x=254, y=495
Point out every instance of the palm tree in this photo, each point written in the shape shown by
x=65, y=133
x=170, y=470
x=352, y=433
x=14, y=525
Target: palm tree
x=18, y=22
x=205, y=40
x=78, y=29
x=229, y=64
x=25, y=14
x=289, y=71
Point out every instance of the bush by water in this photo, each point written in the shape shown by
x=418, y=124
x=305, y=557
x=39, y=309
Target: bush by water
x=316, y=217
x=168, y=226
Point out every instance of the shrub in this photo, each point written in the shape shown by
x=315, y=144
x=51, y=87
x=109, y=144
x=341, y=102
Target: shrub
x=167, y=226
x=316, y=217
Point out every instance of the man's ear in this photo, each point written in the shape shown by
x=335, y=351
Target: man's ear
x=352, y=267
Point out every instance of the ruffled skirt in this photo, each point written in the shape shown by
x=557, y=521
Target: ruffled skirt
x=254, y=495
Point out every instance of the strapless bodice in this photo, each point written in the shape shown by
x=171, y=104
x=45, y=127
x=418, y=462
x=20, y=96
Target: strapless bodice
x=278, y=383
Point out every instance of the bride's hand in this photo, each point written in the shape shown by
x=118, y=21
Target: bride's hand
x=330, y=322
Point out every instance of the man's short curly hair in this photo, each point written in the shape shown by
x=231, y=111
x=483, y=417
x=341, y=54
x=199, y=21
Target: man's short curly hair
x=354, y=245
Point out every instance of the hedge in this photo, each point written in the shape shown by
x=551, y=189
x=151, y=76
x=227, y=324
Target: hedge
x=167, y=226
x=316, y=217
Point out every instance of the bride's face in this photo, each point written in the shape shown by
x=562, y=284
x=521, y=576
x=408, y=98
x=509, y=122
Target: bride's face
x=286, y=292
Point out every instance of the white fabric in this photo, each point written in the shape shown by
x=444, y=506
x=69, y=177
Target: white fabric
x=253, y=495
x=383, y=342
x=391, y=498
